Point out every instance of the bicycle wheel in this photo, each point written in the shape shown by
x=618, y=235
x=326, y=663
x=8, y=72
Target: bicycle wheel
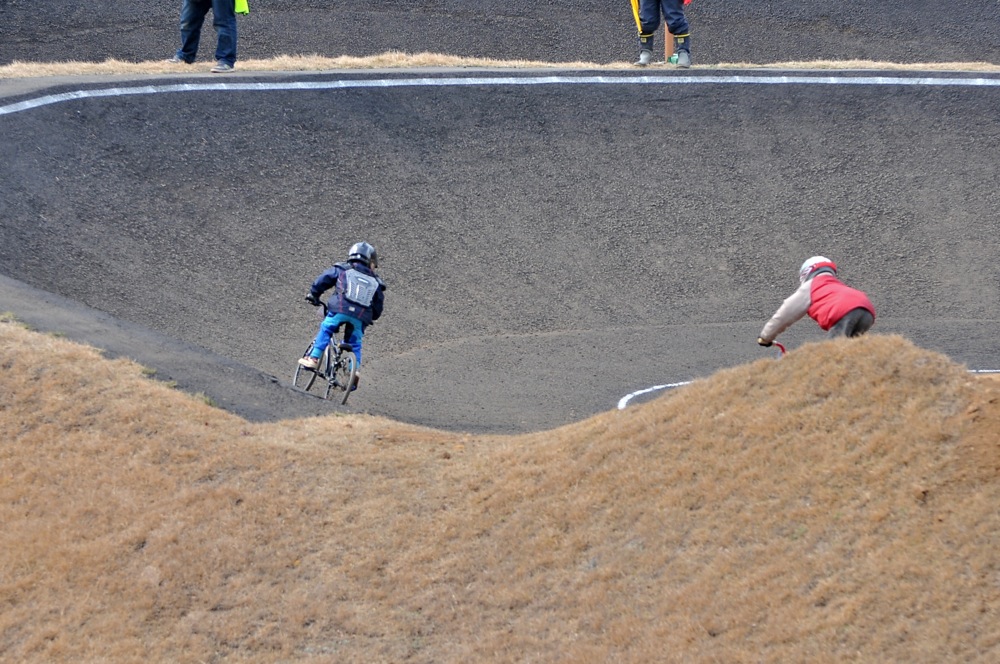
x=350, y=372
x=345, y=368
x=331, y=372
x=303, y=378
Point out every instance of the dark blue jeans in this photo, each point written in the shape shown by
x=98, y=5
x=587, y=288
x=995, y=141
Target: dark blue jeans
x=224, y=20
x=673, y=14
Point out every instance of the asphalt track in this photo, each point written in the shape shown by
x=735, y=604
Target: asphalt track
x=552, y=240
x=747, y=31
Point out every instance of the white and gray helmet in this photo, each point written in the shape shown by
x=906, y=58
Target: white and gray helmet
x=813, y=264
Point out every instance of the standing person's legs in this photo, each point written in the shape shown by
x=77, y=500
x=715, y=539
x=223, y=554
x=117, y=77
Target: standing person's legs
x=192, y=17
x=647, y=20
x=224, y=20
x=673, y=13
x=854, y=323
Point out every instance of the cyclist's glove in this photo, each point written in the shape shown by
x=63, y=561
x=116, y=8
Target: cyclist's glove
x=312, y=299
x=765, y=344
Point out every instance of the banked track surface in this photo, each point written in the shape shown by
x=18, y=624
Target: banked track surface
x=552, y=241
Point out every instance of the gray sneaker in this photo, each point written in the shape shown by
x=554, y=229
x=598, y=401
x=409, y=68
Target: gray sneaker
x=222, y=67
x=645, y=57
x=683, y=59
x=176, y=60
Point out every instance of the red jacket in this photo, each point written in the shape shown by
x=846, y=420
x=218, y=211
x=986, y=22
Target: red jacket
x=831, y=299
x=824, y=297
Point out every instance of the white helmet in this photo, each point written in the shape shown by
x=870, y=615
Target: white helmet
x=813, y=264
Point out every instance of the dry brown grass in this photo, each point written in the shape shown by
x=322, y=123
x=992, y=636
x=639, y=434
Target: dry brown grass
x=838, y=505
x=393, y=59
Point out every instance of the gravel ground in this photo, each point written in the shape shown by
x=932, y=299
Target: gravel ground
x=558, y=30
x=548, y=248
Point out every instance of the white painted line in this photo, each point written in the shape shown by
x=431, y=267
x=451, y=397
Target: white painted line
x=628, y=397
x=344, y=84
x=623, y=402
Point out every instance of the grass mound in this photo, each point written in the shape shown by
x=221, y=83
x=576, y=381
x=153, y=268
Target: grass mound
x=839, y=504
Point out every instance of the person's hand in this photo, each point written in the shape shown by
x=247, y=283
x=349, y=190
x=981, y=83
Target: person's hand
x=312, y=299
x=765, y=344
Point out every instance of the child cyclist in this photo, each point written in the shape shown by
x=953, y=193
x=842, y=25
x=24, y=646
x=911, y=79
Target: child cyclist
x=840, y=310
x=356, y=301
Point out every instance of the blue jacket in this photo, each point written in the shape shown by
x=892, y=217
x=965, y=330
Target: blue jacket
x=336, y=278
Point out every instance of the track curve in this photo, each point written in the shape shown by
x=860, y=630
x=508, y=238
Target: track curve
x=549, y=245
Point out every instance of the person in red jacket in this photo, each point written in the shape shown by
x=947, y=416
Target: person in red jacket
x=840, y=310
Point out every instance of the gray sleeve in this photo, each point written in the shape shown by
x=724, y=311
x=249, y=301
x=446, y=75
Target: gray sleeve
x=792, y=309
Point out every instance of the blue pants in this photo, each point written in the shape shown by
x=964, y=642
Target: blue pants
x=223, y=18
x=329, y=326
x=673, y=14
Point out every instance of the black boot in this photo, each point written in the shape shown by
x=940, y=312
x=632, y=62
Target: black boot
x=645, y=49
x=682, y=47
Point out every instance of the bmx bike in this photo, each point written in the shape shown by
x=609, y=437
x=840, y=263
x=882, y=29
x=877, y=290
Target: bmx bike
x=337, y=368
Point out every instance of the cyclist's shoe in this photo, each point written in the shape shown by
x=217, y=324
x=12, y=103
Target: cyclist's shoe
x=357, y=379
x=309, y=362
